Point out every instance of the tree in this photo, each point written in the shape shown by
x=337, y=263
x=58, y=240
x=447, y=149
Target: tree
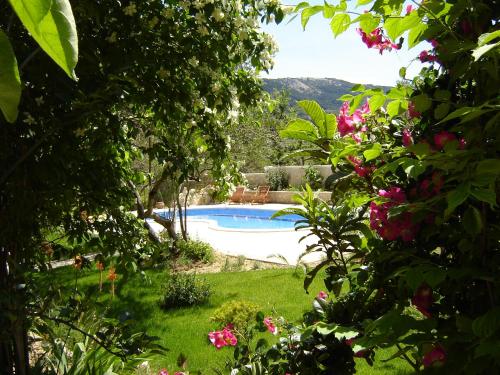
x=167, y=69
x=255, y=141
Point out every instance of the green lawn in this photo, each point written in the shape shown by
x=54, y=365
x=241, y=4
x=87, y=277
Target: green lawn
x=185, y=330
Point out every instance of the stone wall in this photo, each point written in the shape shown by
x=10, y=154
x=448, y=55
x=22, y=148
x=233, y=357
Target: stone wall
x=295, y=173
x=286, y=197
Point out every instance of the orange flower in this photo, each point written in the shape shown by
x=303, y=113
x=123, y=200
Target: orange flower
x=78, y=262
x=112, y=276
x=99, y=265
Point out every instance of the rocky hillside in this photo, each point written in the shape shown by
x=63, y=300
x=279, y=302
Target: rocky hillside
x=325, y=91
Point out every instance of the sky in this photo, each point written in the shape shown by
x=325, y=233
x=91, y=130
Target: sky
x=316, y=53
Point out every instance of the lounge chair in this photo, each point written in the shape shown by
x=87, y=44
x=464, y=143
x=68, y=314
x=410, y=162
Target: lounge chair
x=261, y=195
x=237, y=196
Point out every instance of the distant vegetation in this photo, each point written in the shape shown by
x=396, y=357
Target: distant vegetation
x=325, y=91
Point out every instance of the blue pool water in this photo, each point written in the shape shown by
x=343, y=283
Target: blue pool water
x=242, y=218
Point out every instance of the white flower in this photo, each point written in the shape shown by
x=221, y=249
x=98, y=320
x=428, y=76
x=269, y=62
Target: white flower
x=216, y=87
x=163, y=73
x=39, y=101
x=218, y=15
x=130, y=10
x=29, y=119
x=200, y=17
x=153, y=22
x=202, y=30
x=79, y=132
x=193, y=61
x=168, y=13
x=242, y=34
x=111, y=38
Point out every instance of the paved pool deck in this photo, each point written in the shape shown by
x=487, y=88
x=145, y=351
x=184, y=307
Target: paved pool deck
x=271, y=245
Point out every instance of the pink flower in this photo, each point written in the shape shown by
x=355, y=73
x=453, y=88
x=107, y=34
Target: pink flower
x=229, y=337
x=179, y=373
x=377, y=41
x=322, y=295
x=436, y=355
x=401, y=226
x=268, y=322
x=442, y=138
x=358, y=166
x=163, y=371
x=409, y=9
x=425, y=56
x=422, y=299
x=412, y=112
x=434, y=43
x=217, y=338
x=346, y=123
x=360, y=353
x=407, y=138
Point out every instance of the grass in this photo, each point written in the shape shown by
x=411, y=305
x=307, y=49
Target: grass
x=184, y=330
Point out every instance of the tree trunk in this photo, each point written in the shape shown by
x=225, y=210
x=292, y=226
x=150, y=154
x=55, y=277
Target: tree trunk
x=14, y=349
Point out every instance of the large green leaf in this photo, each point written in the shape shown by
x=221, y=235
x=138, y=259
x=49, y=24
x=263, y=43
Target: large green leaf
x=10, y=83
x=340, y=23
x=308, y=13
x=52, y=25
x=300, y=129
x=324, y=122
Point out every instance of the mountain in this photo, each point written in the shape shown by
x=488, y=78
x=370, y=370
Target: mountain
x=325, y=91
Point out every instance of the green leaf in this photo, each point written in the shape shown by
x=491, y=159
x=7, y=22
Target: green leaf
x=358, y=88
x=326, y=124
x=10, y=83
x=488, y=37
x=308, y=13
x=488, y=324
x=391, y=27
x=488, y=167
x=485, y=195
x=328, y=10
x=52, y=25
x=459, y=113
x=416, y=34
x=363, y=2
x=456, y=197
x=340, y=23
x=301, y=130
x=368, y=22
x=480, y=51
x=472, y=221
x=441, y=110
x=376, y=101
x=373, y=152
x=402, y=72
x=396, y=107
x=422, y=102
x=442, y=95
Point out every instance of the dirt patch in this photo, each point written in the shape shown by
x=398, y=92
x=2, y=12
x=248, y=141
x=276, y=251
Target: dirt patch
x=227, y=263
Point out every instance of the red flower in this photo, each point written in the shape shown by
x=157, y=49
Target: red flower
x=377, y=41
x=422, y=299
x=436, y=356
x=412, y=112
x=442, y=138
x=322, y=295
x=425, y=56
x=268, y=322
x=409, y=9
x=407, y=138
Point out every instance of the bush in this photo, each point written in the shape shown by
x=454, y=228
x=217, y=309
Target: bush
x=196, y=251
x=277, y=178
x=313, y=177
x=238, y=313
x=185, y=290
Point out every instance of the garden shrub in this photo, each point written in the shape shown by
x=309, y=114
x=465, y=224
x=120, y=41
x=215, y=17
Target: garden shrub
x=196, y=251
x=411, y=238
x=185, y=290
x=277, y=178
x=238, y=313
x=312, y=176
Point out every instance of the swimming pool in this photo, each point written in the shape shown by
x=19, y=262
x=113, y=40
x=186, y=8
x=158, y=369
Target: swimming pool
x=241, y=217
